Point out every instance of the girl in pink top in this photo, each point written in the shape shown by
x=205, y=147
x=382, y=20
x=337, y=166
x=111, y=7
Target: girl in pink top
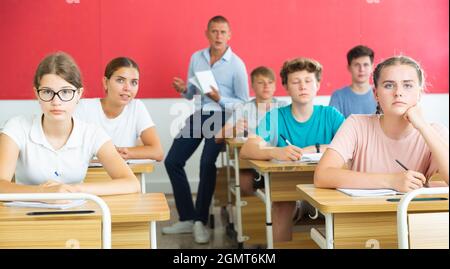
x=370, y=144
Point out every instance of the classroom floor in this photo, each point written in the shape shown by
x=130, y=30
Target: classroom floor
x=218, y=240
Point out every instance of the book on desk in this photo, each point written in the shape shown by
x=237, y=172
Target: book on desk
x=310, y=158
x=69, y=204
x=369, y=192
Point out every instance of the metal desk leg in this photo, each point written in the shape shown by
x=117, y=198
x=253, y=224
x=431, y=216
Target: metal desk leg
x=229, y=204
x=143, y=183
x=329, y=230
x=153, y=235
x=239, y=204
x=268, y=202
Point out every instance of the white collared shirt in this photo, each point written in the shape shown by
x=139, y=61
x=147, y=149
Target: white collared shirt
x=38, y=162
x=250, y=112
x=231, y=77
x=125, y=129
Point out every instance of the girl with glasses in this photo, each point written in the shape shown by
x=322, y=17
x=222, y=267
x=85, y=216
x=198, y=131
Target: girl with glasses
x=51, y=152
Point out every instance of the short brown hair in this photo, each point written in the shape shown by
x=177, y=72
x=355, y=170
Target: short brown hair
x=218, y=19
x=262, y=71
x=360, y=51
x=300, y=64
x=118, y=63
x=61, y=64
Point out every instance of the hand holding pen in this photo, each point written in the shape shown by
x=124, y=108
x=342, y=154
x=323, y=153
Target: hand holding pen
x=289, y=153
x=410, y=180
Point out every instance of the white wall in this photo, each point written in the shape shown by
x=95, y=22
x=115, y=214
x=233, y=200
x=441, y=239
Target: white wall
x=437, y=111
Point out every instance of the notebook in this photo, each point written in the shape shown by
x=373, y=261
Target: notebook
x=369, y=193
x=240, y=139
x=310, y=158
x=132, y=161
x=73, y=203
x=140, y=161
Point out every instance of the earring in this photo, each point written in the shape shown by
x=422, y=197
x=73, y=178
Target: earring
x=378, y=111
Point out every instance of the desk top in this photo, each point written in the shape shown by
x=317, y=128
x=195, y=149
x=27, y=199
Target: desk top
x=268, y=166
x=235, y=142
x=136, y=168
x=334, y=201
x=124, y=208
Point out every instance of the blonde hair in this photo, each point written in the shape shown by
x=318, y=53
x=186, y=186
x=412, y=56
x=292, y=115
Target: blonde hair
x=398, y=60
x=262, y=71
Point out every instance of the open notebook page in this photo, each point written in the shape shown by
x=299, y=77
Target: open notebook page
x=71, y=204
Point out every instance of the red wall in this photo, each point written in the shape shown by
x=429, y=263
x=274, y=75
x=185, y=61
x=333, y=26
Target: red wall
x=161, y=35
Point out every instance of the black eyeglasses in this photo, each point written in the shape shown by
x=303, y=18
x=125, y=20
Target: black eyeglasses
x=65, y=95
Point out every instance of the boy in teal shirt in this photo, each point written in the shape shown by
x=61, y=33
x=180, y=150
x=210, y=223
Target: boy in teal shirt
x=319, y=128
x=308, y=128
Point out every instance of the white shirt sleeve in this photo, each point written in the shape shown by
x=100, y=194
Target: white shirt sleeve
x=143, y=118
x=14, y=128
x=99, y=138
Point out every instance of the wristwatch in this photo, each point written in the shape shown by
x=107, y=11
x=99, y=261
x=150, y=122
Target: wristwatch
x=317, y=147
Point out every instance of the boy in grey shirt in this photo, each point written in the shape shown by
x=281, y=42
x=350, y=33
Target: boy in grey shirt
x=358, y=97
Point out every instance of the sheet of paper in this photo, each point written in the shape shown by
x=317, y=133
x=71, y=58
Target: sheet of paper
x=131, y=161
x=241, y=139
x=95, y=163
x=206, y=80
x=368, y=193
x=140, y=161
x=306, y=158
x=194, y=81
x=71, y=204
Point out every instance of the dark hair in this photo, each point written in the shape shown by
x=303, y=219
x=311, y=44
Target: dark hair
x=61, y=64
x=218, y=19
x=360, y=51
x=262, y=71
x=117, y=63
x=300, y=64
x=398, y=60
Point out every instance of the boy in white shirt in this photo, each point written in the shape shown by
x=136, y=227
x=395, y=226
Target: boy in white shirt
x=246, y=118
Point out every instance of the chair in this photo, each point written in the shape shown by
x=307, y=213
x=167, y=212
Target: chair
x=422, y=230
x=106, y=214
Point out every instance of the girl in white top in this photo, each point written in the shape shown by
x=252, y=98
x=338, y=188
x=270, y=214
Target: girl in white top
x=123, y=118
x=371, y=144
x=51, y=152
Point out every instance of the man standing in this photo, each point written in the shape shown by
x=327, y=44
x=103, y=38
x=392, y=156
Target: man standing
x=230, y=73
x=358, y=97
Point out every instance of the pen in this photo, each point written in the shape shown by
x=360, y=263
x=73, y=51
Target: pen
x=60, y=212
x=285, y=140
x=419, y=199
x=404, y=167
